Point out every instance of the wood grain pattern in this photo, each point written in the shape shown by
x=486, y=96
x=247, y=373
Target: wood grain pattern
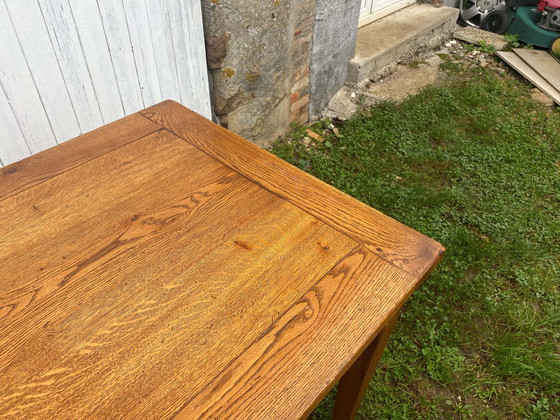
x=164, y=57
x=189, y=47
x=66, y=42
x=16, y=149
x=285, y=373
x=141, y=277
x=393, y=241
x=18, y=85
x=138, y=22
x=353, y=385
x=149, y=253
x=97, y=57
x=40, y=167
x=116, y=31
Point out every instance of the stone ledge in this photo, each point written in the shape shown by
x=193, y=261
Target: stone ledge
x=399, y=36
x=478, y=37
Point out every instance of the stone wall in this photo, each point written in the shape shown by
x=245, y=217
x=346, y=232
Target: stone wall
x=304, y=15
x=259, y=54
x=334, y=42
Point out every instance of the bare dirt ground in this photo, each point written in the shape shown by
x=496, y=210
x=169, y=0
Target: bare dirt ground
x=409, y=79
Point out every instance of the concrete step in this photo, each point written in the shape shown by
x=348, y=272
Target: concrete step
x=398, y=38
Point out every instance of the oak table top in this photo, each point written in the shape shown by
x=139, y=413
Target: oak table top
x=162, y=267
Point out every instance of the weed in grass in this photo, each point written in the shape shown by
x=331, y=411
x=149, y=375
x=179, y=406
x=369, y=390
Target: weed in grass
x=475, y=164
x=514, y=41
x=487, y=48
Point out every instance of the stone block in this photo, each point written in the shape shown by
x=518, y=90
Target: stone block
x=300, y=103
x=300, y=73
x=341, y=106
x=216, y=50
x=294, y=97
x=479, y=37
x=301, y=84
x=398, y=36
x=334, y=38
x=275, y=124
x=300, y=116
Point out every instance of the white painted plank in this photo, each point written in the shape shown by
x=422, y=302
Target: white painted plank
x=66, y=43
x=526, y=71
x=120, y=48
x=70, y=66
x=543, y=63
x=12, y=143
x=141, y=40
x=197, y=93
x=37, y=49
x=19, y=88
x=184, y=18
x=179, y=49
x=162, y=45
x=96, y=53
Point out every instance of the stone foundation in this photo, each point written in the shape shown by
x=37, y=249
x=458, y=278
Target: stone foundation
x=259, y=54
x=277, y=62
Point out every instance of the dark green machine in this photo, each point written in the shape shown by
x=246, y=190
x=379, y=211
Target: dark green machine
x=535, y=22
x=524, y=23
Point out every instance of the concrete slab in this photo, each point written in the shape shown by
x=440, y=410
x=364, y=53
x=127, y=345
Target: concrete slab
x=478, y=37
x=342, y=105
x=399, y=38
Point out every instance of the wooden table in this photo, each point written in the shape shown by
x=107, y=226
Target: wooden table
x=163, y=267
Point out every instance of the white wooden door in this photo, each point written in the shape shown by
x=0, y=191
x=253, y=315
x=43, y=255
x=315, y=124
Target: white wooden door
x=70, y=66
x=372, y=10
x=365, y=8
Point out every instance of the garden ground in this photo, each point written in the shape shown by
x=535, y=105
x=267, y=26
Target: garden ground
x=475, y=164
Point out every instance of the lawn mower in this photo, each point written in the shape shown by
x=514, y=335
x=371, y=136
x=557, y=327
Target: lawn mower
x=535, y=22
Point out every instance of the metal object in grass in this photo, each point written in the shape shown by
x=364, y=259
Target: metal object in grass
x=550, y=10
x=536, y=22
x=490, y=15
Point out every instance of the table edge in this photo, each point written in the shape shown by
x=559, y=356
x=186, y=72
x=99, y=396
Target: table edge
x=424, y=252
x=47, y=164
x=412, y=251
x=394, y=313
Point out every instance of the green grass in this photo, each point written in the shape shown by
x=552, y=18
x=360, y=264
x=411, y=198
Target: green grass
x=474, y=164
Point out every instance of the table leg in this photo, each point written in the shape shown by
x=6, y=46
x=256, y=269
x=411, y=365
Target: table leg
x=353, y=384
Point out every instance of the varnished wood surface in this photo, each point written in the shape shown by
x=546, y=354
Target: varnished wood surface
x=44, y=165
x=353, y=385
x=143, y=277
x=391, y=240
